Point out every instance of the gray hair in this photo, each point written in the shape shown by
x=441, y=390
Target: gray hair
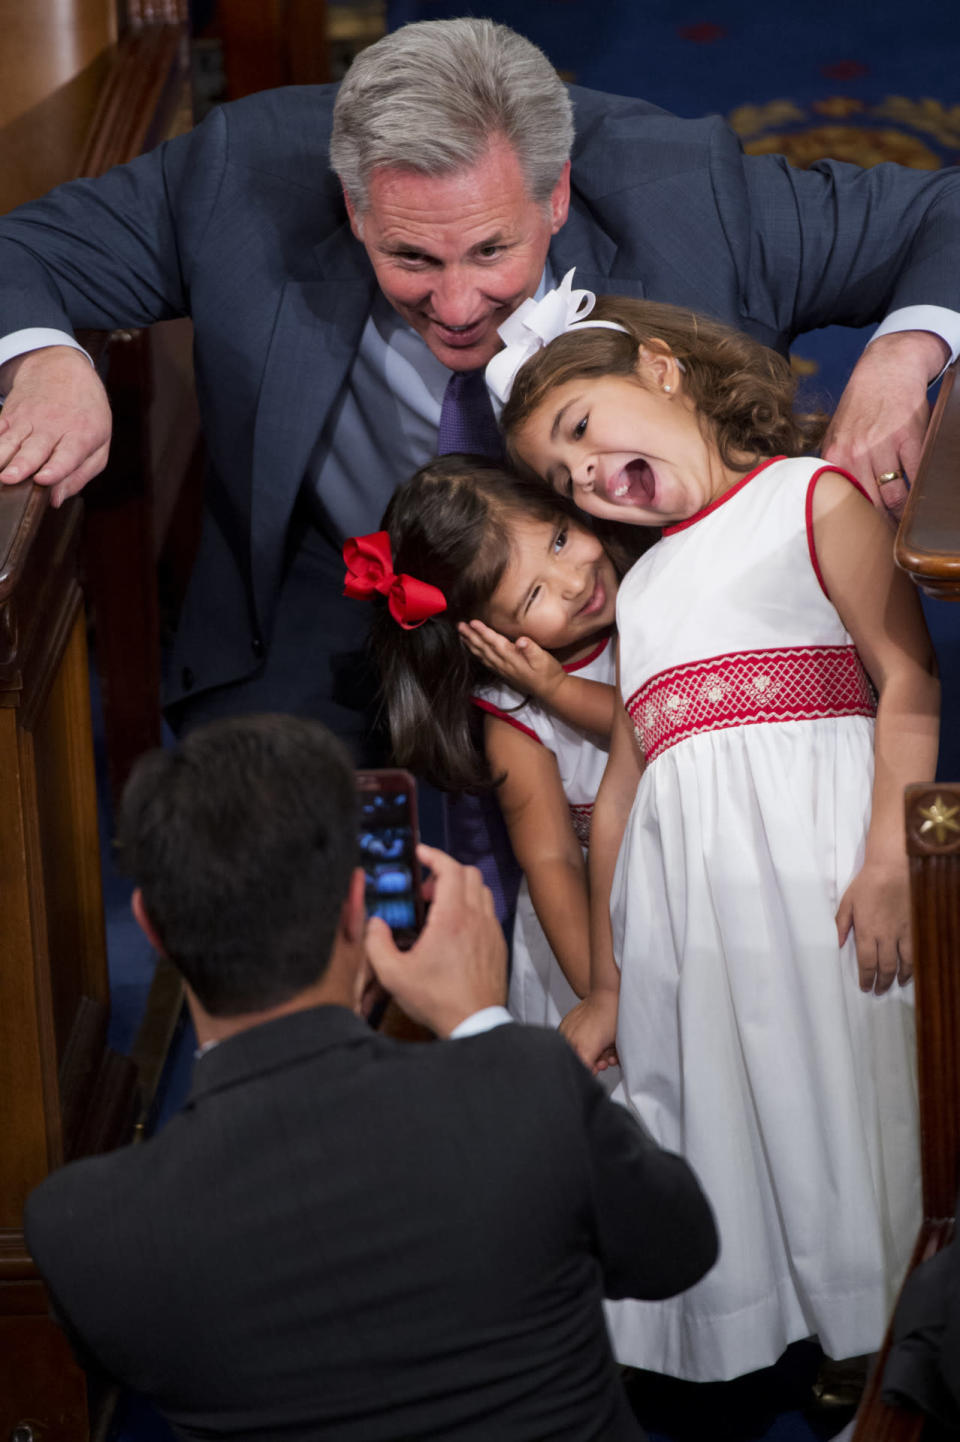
x=430, y=96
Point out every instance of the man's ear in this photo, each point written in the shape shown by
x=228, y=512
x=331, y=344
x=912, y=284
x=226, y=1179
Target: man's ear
x=353, y=915
x=353, y=926
x=143, y=921
x=657, y=366
x=356, y=224
x=560, y=200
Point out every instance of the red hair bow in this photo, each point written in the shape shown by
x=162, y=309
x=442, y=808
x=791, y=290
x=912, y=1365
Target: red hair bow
x=370, y=568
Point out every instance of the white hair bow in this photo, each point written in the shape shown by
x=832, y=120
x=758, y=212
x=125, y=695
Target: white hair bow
x=537, y=322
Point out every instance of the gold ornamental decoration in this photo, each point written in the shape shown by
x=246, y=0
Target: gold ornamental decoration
x=924, y=134
x=939, y=820
x=933, y=820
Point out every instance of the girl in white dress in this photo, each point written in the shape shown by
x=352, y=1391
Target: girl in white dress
x=524, y=601
x=778, y=691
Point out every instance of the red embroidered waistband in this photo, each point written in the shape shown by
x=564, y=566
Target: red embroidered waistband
x=792, y=683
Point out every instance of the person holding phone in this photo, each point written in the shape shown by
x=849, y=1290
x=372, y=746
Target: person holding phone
x=342, y=1236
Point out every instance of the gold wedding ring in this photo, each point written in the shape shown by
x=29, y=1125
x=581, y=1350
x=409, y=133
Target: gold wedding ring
x=886, y=476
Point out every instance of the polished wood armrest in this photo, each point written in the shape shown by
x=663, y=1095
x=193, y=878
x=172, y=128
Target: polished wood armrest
x=22, y=508
x=928, y=541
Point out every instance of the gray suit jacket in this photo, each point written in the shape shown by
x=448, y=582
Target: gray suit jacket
x=241, y=225
x=347, y=1237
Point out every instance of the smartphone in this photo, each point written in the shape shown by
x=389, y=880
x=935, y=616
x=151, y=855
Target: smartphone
x=388, y=840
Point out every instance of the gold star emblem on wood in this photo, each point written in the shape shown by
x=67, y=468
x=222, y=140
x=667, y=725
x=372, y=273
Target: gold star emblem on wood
x=941, y=819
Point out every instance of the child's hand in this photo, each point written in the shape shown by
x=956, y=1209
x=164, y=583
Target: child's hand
x=522, y=662
x=591, y=1029
x=877, y=905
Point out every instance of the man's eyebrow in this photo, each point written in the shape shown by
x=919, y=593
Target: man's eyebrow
x=404, y=247
x=400, y=247
x=498, y=238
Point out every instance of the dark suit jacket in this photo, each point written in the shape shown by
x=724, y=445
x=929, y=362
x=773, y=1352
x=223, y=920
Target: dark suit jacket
x=342, y=1236
x=923, y=1364
x=241, y=225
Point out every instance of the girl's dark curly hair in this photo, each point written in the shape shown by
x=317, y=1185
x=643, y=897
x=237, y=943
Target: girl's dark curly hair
x=744, y=390
x=450, y=525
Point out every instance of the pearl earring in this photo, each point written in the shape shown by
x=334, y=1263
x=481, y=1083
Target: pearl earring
x=668, y=388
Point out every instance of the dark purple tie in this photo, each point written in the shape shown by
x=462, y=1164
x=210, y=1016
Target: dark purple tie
x=466, y=418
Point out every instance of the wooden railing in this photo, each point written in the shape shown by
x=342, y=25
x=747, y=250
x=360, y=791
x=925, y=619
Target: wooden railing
x=928, y=547
x=63, y=1093
x=928, y=542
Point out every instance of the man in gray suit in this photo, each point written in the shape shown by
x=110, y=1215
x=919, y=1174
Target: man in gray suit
x=333, y=306
x=343, y=1236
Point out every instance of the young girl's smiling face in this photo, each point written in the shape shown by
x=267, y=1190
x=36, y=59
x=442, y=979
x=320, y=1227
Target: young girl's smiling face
x=626, y=449
x=559, y=586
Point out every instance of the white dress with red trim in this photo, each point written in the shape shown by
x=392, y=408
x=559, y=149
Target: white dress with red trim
x=745, y=1041
x=539, y=992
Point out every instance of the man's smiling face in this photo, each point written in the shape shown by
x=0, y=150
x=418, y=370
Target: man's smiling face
x=456, y=254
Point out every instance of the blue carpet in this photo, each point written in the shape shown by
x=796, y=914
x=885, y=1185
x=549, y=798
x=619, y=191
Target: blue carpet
x=698, y=58
x=129, y=954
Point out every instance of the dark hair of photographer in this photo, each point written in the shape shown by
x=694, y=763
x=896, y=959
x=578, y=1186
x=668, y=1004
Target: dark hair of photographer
x=242, y=840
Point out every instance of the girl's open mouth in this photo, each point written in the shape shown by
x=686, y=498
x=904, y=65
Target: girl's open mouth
x=633, y=485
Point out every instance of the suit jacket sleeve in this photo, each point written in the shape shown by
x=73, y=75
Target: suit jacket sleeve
x=115, y=250
x=190, y=228
x=203, y=224
x=923, y=1365
x=838, y=245
x=673, y=209
x=655, y=1232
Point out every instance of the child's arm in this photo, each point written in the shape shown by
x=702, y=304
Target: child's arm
x=592, y=1026
x=544, y=842
x=880, y=608
x=587, y=705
